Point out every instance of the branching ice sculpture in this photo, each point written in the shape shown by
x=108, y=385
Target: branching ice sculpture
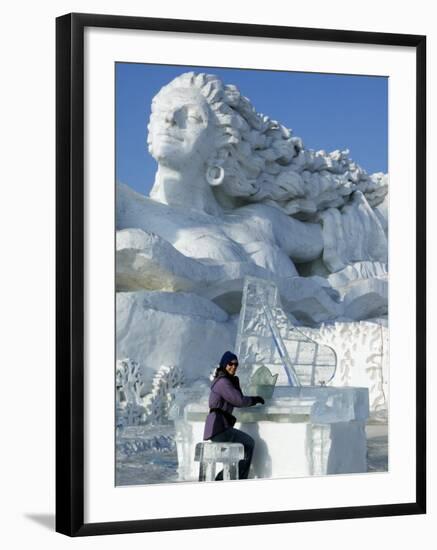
x=134, y=408
x=158, y=402
x=129, y=407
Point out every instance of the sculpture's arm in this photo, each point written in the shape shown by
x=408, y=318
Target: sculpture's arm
x=343, y=236
x=301, y=241
x=146, y=261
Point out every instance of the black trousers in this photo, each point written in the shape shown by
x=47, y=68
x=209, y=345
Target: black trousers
x=232, y=435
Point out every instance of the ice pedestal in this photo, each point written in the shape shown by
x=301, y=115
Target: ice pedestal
x=298, y=432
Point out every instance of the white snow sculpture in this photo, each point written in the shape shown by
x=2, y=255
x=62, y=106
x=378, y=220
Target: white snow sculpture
x=201, y=129
x=171, y=328
x=235, y=187
x=236, y=194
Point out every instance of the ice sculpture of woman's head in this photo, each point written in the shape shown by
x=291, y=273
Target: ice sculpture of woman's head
x=180, y=129
x=201, y=126
x=198, y=119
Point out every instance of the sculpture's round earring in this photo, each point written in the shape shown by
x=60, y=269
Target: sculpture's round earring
x=215, y=175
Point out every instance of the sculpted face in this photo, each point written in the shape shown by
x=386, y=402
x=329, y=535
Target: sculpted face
x=180, y=130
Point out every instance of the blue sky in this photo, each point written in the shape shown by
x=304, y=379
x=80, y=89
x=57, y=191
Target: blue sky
x=327, y=111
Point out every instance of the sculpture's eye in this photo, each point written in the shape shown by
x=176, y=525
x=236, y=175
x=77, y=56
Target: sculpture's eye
x=197, y=118
x=187, y=116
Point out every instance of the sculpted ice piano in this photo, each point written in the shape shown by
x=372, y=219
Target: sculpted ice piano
x=306, y=426
x=267, y=337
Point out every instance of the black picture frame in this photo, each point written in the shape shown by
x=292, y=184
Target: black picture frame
x=70, y=273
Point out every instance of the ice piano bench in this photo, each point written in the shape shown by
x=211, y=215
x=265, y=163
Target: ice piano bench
x=209, y=454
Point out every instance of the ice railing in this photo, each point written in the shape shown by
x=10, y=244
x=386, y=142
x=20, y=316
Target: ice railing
x=267, y=337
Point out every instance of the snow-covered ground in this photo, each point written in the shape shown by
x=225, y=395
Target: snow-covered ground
x=144, y=456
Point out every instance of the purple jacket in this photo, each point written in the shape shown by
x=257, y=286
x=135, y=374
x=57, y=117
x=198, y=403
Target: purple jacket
x=225, y=394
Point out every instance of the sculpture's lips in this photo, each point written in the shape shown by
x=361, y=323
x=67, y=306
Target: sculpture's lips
x=167, y=137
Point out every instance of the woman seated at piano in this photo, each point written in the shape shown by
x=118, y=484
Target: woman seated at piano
x=225, y=395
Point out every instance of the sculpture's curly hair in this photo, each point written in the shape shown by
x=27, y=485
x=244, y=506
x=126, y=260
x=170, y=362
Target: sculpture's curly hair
x=264, y=162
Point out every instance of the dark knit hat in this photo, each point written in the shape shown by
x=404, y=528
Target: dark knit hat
x=228, y=356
